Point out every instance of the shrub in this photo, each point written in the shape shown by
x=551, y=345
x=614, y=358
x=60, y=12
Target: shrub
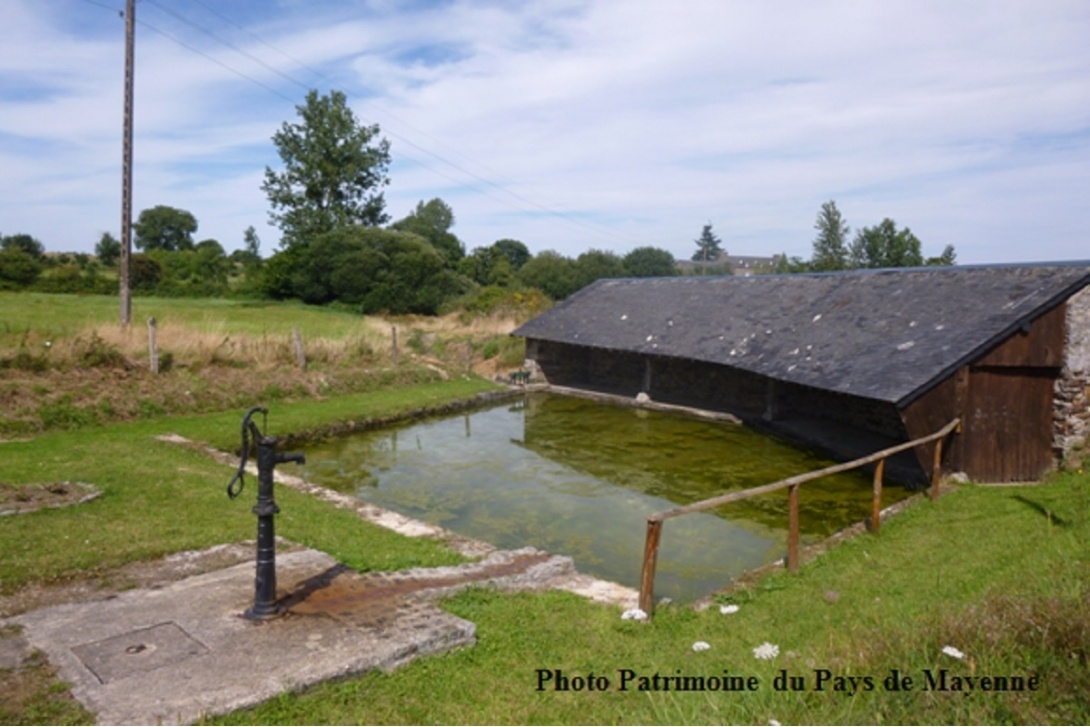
x=99, y=353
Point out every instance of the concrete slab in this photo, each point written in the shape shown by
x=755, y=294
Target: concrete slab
x=173, y=654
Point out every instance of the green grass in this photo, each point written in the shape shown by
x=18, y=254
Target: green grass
x=1000, y=573
x=159, y=498
x=1003, y=574
x=54, y=316
x=979, y=570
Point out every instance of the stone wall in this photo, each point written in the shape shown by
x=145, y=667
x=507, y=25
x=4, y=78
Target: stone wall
x=1071, y=404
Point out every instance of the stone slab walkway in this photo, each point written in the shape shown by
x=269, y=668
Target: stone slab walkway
x=176, y=653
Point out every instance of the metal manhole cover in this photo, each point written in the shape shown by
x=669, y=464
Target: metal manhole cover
x=138, y=651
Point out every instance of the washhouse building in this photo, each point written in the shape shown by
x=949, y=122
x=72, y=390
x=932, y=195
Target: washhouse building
x=849, y=362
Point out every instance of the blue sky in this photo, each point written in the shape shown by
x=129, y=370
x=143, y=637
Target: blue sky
x=573, y=124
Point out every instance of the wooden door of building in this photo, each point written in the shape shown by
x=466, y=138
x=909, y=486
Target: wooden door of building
x=1009, y=423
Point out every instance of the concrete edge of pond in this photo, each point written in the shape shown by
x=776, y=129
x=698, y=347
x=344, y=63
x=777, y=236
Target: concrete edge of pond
x=352, y=426
x=573, y=581
x=634, y=402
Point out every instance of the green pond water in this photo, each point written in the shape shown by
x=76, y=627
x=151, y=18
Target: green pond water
x=579, y=478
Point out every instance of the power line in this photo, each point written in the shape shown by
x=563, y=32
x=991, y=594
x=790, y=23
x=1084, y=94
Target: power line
x=119, y=11
x=391, y=114
x=217, y=61
x=259, y=39
x=458, y=167
x=230, y=45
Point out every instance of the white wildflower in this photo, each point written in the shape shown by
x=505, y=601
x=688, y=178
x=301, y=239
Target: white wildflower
x=701, y=646
x=951, y=651
x=728, y=608
x=766, y=651
x=634, y=613
x=773, y=722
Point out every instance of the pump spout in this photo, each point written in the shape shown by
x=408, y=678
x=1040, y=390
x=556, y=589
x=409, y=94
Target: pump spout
x=296, y=457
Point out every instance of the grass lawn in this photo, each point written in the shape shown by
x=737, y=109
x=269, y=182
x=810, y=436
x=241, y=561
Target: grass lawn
x=1002, y=575
x=999, y=573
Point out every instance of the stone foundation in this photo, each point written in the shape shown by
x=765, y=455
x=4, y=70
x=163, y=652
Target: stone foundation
x=1071, y=403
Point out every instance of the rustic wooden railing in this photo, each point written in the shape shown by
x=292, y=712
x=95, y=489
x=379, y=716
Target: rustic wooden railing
x=655, y=521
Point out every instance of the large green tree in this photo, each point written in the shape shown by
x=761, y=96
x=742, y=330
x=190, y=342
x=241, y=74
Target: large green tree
x=432, y=220
x=333, y=175
x=375, y=269
x=708, y=246
x=164, y=228
x=831, y=243
x=884, y=246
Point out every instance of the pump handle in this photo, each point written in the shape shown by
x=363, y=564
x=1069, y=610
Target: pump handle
x=248, y=428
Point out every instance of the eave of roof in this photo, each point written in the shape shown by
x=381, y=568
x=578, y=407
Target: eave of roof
x=888, y=335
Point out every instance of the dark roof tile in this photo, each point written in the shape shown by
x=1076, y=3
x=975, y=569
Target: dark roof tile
x=882, y=334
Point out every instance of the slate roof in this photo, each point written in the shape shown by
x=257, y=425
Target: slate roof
x=888, y=335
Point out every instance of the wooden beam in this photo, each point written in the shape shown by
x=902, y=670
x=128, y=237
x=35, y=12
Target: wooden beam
x=650, y=559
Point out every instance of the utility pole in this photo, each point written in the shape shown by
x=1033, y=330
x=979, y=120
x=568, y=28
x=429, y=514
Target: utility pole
x=126, y=171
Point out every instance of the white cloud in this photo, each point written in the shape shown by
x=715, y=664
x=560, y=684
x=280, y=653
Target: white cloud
x=638, y=121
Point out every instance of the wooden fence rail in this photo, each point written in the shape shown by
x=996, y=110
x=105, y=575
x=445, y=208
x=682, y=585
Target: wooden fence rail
x=793, y=484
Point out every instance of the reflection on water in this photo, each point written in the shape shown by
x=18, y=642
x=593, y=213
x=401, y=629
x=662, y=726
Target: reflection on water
x=576, y=477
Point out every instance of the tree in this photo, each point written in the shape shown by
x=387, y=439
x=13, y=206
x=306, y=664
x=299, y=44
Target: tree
x=948, y=257
x=164, y=228
x=595, y=265
x=18, y=269
x=108, y=249
x=146, y=273
x=884, y=246
x=433, y=221
x=516, y=253
x=649, y=262
x=333, y=173
x=551, y=273
x=251, y=243
x=708, y=246
x=24, y=243
x=830, y=246
x=790, y=266
x=375, y=269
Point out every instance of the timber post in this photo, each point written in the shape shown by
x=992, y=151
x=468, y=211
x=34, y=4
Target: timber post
x=153, y=347
x=300, y=354
x=793, y=484
x=876, y=499
x=793, y=528
x=650, y=557
x=936, y=470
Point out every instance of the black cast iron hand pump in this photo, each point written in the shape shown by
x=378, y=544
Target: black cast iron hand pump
x=265, y=605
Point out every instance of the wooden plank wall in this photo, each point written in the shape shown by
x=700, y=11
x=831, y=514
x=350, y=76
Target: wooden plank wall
x=1004, y=398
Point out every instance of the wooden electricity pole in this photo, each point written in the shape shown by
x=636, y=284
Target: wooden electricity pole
x=126, y=172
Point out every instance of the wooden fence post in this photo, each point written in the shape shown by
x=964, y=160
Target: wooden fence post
x=936, y=470
x=650, y=556
x=876, y=500
x=793, y=528
x=300, y=355
x=153, y=347
x=393, y=338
